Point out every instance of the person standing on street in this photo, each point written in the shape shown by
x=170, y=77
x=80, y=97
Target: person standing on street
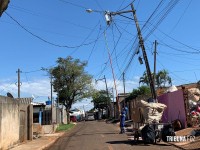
x=122, y=121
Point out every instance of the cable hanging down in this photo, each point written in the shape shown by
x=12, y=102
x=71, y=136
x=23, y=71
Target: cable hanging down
x=44, y=40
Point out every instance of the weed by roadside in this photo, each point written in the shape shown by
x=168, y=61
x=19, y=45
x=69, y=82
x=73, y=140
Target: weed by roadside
x=64, y=127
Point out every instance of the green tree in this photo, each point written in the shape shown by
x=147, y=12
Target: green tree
x=71, y=82
x=163, y=78
x=143, y=90
x=101, y=100
x=144, y=79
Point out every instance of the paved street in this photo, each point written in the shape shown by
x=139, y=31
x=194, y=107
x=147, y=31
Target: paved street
x=95, y=135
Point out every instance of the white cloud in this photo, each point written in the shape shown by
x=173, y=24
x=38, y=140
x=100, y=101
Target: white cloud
x=39, y=88
x=129, y=85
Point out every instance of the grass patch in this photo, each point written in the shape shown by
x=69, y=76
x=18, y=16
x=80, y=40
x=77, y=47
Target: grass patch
x=64, y=127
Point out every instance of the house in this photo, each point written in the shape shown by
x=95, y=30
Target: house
x=47, y=117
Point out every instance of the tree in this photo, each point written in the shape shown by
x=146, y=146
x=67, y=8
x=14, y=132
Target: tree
x=163, y=78
x=143, y=90
x=101, y=100
x=144, y=79
x=71, y=82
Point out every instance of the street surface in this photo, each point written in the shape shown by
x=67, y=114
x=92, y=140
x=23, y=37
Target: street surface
x=98, y=135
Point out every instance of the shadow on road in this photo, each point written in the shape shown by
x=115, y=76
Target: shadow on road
x=134, y=143
x=101, y=133
x=121, y=142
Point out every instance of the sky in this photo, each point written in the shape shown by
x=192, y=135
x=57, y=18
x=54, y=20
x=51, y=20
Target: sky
x=34, y=34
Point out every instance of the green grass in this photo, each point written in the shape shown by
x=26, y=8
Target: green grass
x=64, y=127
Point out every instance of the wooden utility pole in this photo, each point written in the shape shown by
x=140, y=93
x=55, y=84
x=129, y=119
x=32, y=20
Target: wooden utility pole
x=51, y=98
x=18, y=83
x=141, y=42
x=124, y=87
x=106, y=86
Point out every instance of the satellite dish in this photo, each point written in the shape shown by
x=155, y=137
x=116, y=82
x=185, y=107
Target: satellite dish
x=9, y=95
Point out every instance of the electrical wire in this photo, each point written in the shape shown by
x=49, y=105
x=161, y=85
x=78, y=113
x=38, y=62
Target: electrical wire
x=45, y=16
x=93, y=46
x=181, y=16
x=165, y=12
x=196, y=51
x=73, y=4
x=44, y=40
x=96, y=1
x=126, y=6
x=88, y=37
x=7, y=87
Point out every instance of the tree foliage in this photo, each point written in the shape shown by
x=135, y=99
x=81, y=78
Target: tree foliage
x=144, y=79
x=143, y=90
x=162, y=79
x=101, y=99
x=71, y=82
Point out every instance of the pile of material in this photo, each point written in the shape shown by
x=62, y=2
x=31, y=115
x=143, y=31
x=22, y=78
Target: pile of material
x=152, y=112
x=194, y=106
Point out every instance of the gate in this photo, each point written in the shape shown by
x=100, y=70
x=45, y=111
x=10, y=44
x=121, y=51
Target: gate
x=46, y=117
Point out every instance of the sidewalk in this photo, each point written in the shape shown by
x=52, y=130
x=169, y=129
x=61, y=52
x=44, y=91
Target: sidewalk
x=39, y=143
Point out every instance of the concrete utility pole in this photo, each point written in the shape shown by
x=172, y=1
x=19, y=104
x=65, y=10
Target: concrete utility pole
x=104, y=78
x=141, y=42
x=155, y=52
x=18, y=82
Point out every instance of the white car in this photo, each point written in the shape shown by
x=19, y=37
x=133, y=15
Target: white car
x=90, y=117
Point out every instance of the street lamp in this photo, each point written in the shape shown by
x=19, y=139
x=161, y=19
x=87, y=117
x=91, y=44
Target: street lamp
x=92, y=10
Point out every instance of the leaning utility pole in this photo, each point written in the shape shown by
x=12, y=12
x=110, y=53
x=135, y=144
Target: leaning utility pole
x=141, y=42
x=18, y=83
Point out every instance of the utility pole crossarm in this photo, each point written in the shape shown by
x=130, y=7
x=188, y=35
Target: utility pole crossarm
x=121, y=12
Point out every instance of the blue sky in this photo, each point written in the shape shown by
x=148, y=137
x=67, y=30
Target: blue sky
x=35, y=33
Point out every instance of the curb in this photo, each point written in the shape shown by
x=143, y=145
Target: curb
x=52, y=141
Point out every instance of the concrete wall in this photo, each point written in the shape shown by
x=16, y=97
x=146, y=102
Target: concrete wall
x=39, y=129
x=9, y=122
x=14, y=124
